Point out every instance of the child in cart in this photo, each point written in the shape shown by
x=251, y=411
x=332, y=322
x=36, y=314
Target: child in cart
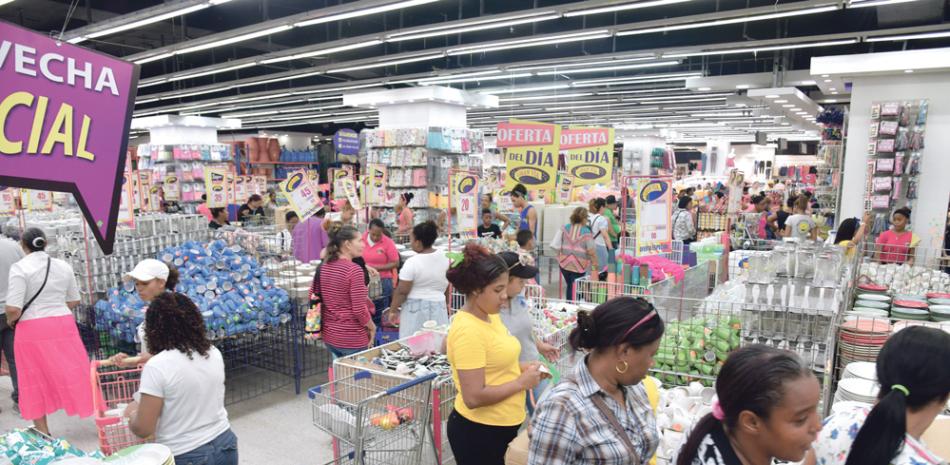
x=152, y=278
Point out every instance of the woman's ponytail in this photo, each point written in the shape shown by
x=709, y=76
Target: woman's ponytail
x=913, y=372
x=883, y=432
x=704, y=426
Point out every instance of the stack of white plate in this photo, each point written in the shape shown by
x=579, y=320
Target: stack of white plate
x=861, y=370
x=857, y=390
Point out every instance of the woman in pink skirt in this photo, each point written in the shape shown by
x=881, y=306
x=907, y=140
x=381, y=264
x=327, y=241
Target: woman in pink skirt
x=52, y=363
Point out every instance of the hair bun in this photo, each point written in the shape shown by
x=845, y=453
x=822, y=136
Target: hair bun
x=587, y=329
x=39, y=242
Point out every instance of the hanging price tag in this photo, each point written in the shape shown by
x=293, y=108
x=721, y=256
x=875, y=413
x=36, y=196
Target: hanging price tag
x=465, y=197
x=8, y=201
x=346, y=187
x=301, y=194
x=215, y=188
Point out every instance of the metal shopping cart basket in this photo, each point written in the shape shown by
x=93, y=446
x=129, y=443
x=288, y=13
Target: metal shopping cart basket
x=112, y=389
x=374, y=421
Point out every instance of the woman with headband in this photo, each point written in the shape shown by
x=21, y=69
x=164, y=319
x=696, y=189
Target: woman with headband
x=601, y=412
x=52, y=366
x=766, y=409
x=914, y=376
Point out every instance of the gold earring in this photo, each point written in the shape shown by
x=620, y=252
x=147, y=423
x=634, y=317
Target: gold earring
x=625, y=367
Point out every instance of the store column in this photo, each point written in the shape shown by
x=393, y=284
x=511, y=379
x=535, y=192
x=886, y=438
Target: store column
x=898, y=77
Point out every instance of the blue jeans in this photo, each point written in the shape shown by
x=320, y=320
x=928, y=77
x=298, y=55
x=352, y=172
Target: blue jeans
x=222, y=450
x=337, y=352
x=383, y=301
x=569, y=278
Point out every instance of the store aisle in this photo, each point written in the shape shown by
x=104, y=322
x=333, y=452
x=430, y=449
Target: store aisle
x=275, y=428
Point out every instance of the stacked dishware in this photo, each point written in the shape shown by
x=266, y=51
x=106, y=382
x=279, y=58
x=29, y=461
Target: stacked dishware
x=909, y=308
x=871, y=304
x=861, y=338
x=863, y=370
x=857, y=390
x=939, y=306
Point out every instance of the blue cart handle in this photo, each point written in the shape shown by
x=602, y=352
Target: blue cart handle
x=409, y=384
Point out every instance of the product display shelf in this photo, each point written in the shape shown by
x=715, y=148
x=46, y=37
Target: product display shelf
x=418, y=161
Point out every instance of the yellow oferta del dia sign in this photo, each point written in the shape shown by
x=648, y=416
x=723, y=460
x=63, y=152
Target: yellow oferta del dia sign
x=531, y=154
x=589, y=154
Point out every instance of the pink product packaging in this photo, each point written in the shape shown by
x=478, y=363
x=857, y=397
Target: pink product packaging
x=897, y=188
x=882, y=184
x=880, y=201
x=187, y=194
x=885, y=145
x=885, y=165
x=898, y=164
x=888, y=128
x=177, y=153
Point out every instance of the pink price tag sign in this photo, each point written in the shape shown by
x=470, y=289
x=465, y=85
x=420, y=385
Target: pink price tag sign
x=64, y=122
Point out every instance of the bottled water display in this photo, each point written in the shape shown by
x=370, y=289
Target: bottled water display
x=230, y=288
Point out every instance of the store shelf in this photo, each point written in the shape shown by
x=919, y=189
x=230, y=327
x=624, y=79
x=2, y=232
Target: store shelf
x=283, y=163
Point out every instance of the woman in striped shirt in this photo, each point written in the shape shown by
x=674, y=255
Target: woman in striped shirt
x=347, y=325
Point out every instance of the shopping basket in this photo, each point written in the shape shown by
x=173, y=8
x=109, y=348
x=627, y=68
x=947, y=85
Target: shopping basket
x=113, y=388
x=376, y=420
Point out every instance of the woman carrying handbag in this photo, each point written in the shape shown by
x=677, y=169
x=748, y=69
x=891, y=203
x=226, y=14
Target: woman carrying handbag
x=52, y=364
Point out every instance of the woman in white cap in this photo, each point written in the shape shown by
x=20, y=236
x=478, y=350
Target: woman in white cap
x=53, y=369
x=152, y=278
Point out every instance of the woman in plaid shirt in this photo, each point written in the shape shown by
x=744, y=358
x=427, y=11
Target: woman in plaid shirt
x=600, y=413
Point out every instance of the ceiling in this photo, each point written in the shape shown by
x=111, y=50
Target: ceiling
x=690, y=69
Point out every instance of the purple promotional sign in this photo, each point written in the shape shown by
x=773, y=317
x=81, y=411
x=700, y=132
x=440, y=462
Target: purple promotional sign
x=64, y=122
x=347, y=142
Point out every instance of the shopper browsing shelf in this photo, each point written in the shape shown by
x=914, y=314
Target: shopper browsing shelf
x=10, y=253
x=219, y=218
x=488, y=228
x=781, y=216
x=491, y=384
x=380, y=254
x=346, y=322
x=897, y=245
x=684, y=229
x=767, y=409
x=601, y=412
x=600, y=227
x=152, y=278
x=914, y=377
x=800, y=225
x=527, y=213
x=405, y=217
x=252, y=211
x=422, y=294
x=516, y=315
x=574, y=244
x=52, y=366
x=181, y=393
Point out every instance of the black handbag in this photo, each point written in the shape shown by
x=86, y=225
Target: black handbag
x=30, y=302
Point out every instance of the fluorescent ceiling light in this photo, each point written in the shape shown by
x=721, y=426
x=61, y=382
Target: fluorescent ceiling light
x=209, y=72
x=781, y=101
x=580, y=64
x=453, y=76
x=148, y=100
x=429, y=82
x=363, y=12
x=235, y=39
x=153, y=58
x=531, y=42
x=788, y=105
x=870, y=3
x=704, y=89
x=139, y=23
x=542, y=97
x=682, y=97
x=723, y=22
x=623, y=7
x=637, y=79
x=923, y=35
x=325, y=51
x=611, y=68
x=514, y=90
x=470, y=26
x=828, y=43
x=378, y=64
x=809, y=83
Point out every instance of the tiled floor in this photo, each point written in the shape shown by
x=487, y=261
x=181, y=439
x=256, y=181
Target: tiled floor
x=273, y=429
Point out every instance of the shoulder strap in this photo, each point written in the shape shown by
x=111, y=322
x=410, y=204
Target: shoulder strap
x=43, y=286
x=615, y=424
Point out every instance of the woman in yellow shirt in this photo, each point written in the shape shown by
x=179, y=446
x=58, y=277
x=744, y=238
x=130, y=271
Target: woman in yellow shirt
x=491, y=384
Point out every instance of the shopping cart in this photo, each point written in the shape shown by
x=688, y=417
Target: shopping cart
x=113, y=388
x=375, y=420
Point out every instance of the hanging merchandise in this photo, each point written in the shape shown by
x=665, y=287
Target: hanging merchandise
x=531, y=154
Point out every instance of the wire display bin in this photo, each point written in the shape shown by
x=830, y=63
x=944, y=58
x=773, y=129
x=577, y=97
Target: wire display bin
x=376, y=423
x=112, y=389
